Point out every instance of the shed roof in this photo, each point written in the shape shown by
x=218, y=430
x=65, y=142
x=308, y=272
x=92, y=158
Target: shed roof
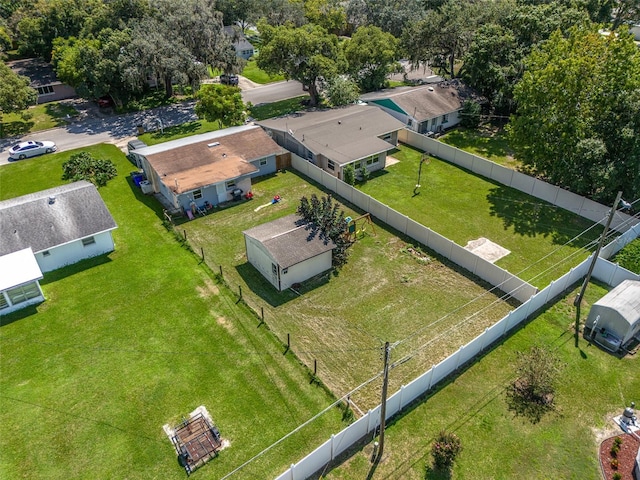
x=201, y=160
x=340, y=134
x=53, y=217
x=426, y=102
x=290, y=240
x=624, y=299
x=18, y=268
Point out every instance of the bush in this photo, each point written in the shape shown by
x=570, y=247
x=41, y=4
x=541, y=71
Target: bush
x=470, y=114
x=617, y=476
x=349, y=174
x=364, y=174
x=531, y=394
x=629, y=257
x=445, y=449
x=82, y=166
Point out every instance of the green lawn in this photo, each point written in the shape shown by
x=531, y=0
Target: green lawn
x=179, y=131
x=255, y=74
x=594, y=387
x=488, y=142
x=463, y=207
x=387, y=291
x=277, y=109
x=39, y=117
x=136, y=339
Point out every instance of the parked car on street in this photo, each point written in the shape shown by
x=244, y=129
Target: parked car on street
x=30, y=149
x=229, y=79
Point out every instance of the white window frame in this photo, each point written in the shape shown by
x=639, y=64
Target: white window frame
x=445, y=118
x=45, y=90
x=263, y=162
x=331, y=165
x=230, y=184
x=197, y=194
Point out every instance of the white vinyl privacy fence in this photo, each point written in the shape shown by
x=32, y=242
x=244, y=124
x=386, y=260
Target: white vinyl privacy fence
x=484, y=269
x=584, y=207
x=531, y=299
x=604, y=271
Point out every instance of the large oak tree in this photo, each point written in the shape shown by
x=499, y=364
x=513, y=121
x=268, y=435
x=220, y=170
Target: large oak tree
x=578, y=120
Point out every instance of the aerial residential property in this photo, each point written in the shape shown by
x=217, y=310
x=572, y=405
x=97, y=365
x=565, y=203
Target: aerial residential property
x=357, y=135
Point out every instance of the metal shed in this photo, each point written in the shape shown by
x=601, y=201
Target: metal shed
x=615, y=319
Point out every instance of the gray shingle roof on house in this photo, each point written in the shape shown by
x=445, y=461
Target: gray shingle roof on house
x=39, y=72
x=53, y=217
x=341, y=134
x=289, y=240
x=430, y=101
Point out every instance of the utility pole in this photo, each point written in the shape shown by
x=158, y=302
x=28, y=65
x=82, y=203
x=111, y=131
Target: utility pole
x=383, y=403
x=594, y=259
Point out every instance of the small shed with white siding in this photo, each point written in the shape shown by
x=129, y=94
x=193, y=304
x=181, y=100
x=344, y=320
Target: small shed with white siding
x=288, y=250
x=19, y=281
x=615, y=319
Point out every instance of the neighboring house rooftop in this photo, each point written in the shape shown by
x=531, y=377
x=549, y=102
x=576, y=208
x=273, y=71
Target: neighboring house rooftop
x=238, y=38
x=39, y=72
x=341, y=134
x=425, y=102
x=190, y=163
x=53, y=217
x=290, y=240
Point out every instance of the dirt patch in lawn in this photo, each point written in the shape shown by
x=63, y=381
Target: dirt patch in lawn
x=486, y=249
x=208, y=289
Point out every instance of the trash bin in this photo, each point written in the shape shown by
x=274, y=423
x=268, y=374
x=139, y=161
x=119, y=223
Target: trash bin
x=146, y=187
x=140, y=129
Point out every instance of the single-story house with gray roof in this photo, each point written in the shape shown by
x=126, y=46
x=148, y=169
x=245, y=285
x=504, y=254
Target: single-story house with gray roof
x=61, y=225
x=242, y=46
x=208, y=167
x=288, y=251
x=19, y=281
x=427, y=109
x=357, y=135
x=43, y=79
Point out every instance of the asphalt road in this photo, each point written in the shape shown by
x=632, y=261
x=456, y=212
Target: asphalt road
x=92, y=126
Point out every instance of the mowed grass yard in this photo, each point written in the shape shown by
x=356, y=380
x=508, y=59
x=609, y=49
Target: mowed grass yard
x=388, y=291
x=593, y=387
x=464, y=207
x=136, y=339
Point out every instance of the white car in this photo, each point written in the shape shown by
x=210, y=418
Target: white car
x=30, y=149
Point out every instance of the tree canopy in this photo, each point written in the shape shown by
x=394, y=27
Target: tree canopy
x=578, y=118
x=221, y=103
x=371, y=53
x=84, y=166
x=307, y=54
x=15, y=91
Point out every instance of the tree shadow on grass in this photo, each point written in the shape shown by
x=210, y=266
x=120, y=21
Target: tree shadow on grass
x=16, y=128
x=531, y=217
x=184, y=129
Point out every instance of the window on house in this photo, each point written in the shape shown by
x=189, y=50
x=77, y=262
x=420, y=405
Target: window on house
x=3, y=301
x=410, y=123
x=46, y=90
x=309, y=155
x=372, y=160
x=357, y=165
x=46, y=253
x=231, y=184
x=263, y=162
x=434, y=123
x=88, y=241
x=197, y=194
x=23, y=293
x=387, y=137
x=445, y=118
x=331, y=165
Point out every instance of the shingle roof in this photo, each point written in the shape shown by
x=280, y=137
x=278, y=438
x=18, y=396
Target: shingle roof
x=430, y=101
x=201, y=160
x=340, y=134
x=290, y=240
x=34, y=220
x=39, y=72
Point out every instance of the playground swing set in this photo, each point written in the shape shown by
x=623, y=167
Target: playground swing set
x=353, y=233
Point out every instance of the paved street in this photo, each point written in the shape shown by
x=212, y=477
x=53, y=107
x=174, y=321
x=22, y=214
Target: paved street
x=92, y=126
